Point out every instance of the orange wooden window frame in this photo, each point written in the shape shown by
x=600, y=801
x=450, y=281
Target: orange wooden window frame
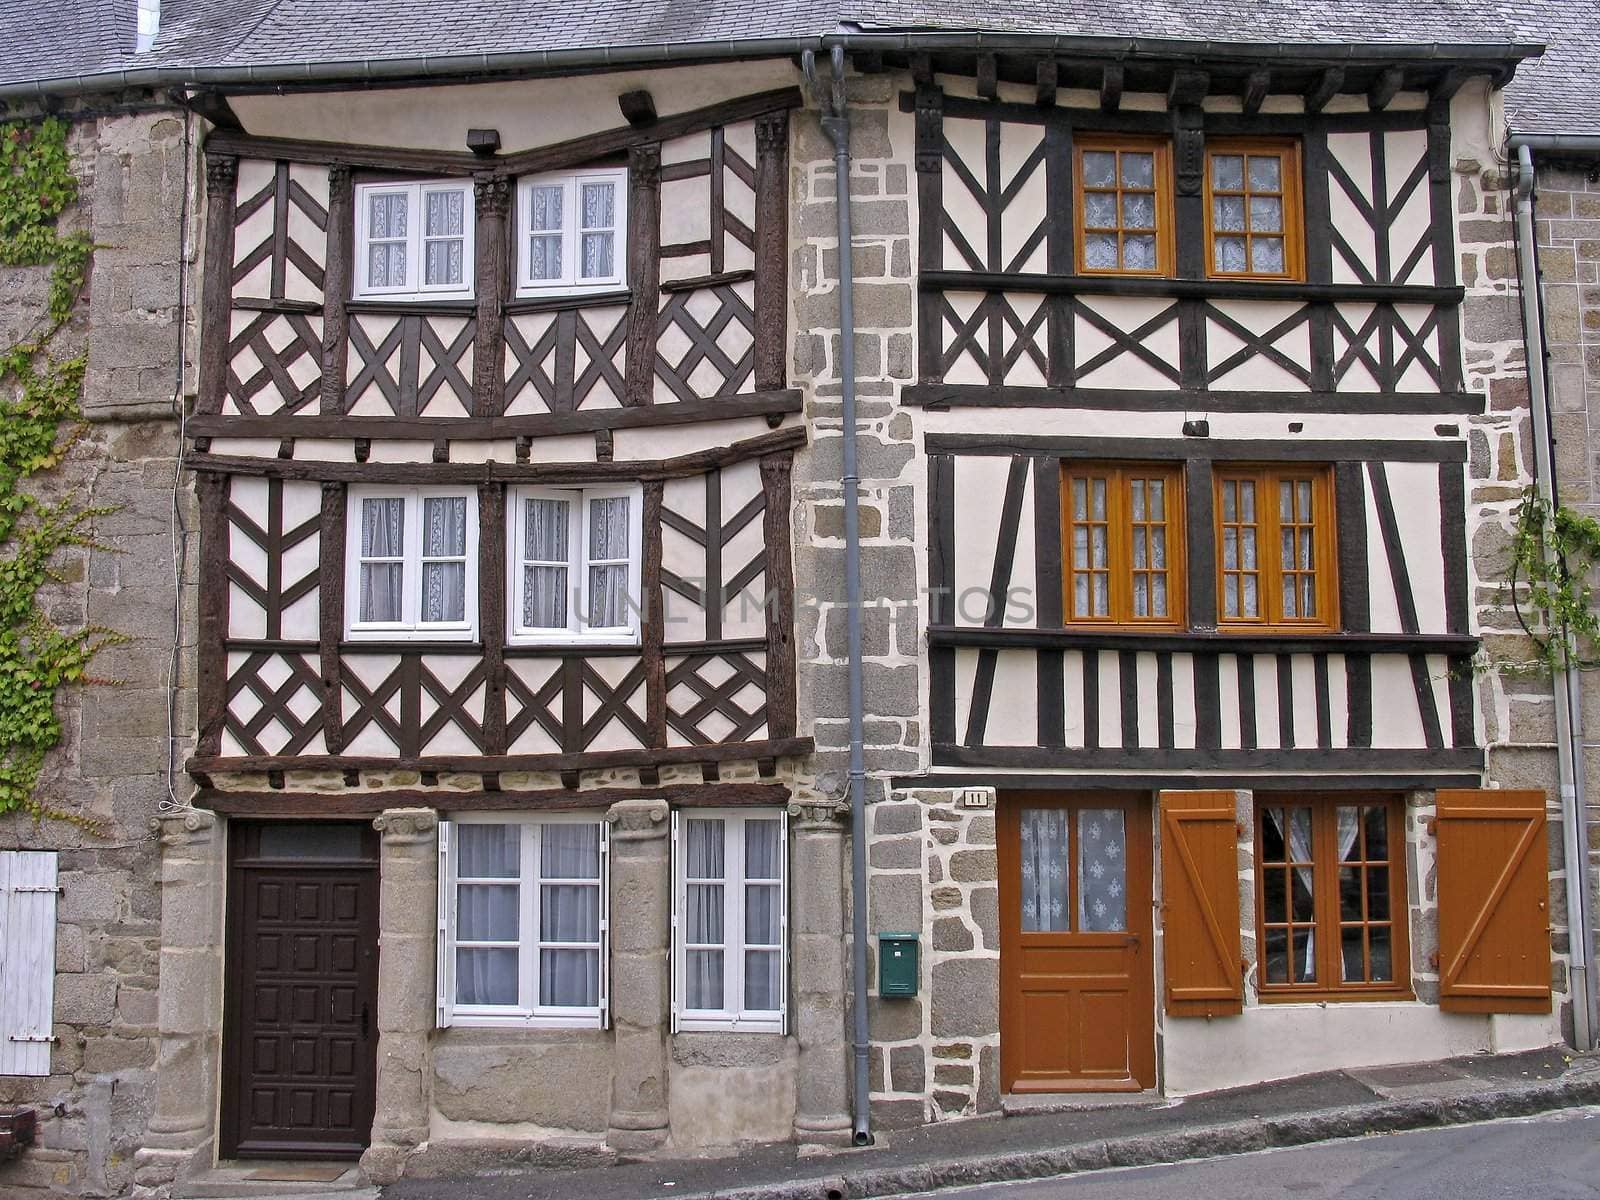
x=1287, y=151
x=1120, y=525
x=1269, y=568
x=1163, y=191
x=1327, y=918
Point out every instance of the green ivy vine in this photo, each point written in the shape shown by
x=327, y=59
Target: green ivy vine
x=40, y=420
x=1554, y=552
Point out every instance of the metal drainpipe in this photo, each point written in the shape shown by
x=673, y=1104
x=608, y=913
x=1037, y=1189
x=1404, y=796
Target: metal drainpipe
x=1569, y=713
x=836, y=124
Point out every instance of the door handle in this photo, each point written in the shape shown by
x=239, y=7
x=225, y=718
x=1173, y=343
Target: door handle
x=364, y=1021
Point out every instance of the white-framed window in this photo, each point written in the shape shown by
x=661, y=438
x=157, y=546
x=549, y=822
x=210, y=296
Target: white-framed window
x=414, y=241
x=730, y=921
x=411, y=563
x=574, y=564
x=523, y=920
x=572, y=232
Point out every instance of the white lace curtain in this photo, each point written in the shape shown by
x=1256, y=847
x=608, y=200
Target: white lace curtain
x=608, y=559
x=599, y=224
x=544, y=575
x=383, y=523
x=1045, y=901
x=444, y=558
x=763, y=898
x=704, y=860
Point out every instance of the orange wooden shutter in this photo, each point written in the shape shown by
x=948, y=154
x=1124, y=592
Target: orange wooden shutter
x=1494, y=902
x=1200, y=904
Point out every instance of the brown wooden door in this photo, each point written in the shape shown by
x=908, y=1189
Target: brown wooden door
x=300, y=1040
x=1077, y=1005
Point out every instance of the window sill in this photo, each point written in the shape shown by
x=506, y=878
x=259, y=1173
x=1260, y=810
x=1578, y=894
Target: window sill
x=540, y=301
x=1321, y=998
x=424, y=638
x=459, y=1021
x=572, y=641
x=730, y=1025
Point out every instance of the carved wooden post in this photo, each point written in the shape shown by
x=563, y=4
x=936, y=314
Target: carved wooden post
x=337, y=282
x=652, y=631
x=930, y=228
x=216, y=293
x=492, y=610
x=211, y=682
x=330, y=612
x=488, y=376
x=772, y=249
x=644, y=269
x=778, y=603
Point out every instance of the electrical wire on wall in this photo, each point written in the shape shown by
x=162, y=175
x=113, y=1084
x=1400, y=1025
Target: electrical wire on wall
x=178, y=521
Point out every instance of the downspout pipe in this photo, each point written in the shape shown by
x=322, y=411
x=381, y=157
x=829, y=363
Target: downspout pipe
x=1568, y=697
x=836, y=124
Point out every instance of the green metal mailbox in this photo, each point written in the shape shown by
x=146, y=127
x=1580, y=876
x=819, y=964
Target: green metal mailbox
x=897, y=964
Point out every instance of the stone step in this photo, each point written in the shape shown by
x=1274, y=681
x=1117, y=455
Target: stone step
x=233, y=1181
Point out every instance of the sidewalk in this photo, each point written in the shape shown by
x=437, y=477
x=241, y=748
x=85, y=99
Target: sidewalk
x=1291, y=1112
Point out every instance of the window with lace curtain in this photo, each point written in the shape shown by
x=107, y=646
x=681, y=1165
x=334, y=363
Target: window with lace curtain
x=729, y=920
x=412, y=563
x=523, y=920
x=572, y=233
x=1254, y=222
x=414, y=241
x=1331, y=898
x=574, y=564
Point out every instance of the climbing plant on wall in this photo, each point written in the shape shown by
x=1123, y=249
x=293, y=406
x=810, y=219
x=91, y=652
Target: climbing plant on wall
x=1554, y=552
x=39, y=422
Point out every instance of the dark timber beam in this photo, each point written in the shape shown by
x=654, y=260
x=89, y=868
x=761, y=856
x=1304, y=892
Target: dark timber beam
x=1188, y=87
x=1449, y=84
x=1111, y=88
x=638, y=107
x=1326, y=88
x=988, y=77
x=1384, y=88
x=214, y=107
x=922, y=70
x=1047, y=77
x=868, y=62
x=1255, y=90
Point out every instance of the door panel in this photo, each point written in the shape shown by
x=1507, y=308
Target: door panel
x=1077, y=1009
x=299, y=1049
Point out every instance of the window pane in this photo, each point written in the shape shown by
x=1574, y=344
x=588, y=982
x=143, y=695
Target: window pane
x=386, y=264
x=546, y=534
x=1304, y=963
x=311, y=840
x=1100, y=250
x=1099, y=168
x=1227, y=171
x=1350, y=890
x=1138, y=169
x=445, y=214
x=488, y=851
x=1266, y=255
x=1275, y=897
x=1375, y=818
x=761, y=847
x=383, y=526
x=704, y=842
x=763, y=922
x=444, y=591
x=443, y=263
x=444, y=526
x=608, y=528
x=1273, y=847
x=1380, y=951
x=1265, y=173
x=598, y=256
x=1352, y=961
x=381, y=585
x=703, y=921
x=486, y=976
x=1139, y=252
x=544, y=597
x=1044, y=871
x=1229, y=254
x=761, y=981
x=702, y=983
x=569, y=978
x=1275, y=968
x=486, y=912
x=1139, y=210
x=1102, y=871
x=1266, y=214
x=1080, y=546
x=569, y=850
x=1228, y=214
x=569, y=912
x=599, y=205
x=608, y=597
x=1100, y=210
x=544, y=256
x=544, y=206
x=386, y=215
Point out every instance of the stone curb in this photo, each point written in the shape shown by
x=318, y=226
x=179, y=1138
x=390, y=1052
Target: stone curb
x=1205, y=1141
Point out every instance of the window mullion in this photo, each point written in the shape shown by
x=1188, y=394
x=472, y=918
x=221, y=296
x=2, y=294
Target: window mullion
x=733, y=921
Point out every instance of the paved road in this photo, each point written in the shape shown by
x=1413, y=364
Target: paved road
x=1552, y=1157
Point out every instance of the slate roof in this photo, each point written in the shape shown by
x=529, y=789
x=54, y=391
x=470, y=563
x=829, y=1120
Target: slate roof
x=46, y=39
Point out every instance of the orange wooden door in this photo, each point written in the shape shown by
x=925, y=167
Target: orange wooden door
x=1077, y=1005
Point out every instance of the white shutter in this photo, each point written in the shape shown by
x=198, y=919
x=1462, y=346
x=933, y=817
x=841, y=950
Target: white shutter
x=675, y=949
x=444, y=972
x=605, y=924
x=783, y=926
x=27, y=960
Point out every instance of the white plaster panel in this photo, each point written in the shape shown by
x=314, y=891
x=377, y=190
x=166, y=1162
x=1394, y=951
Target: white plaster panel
x=1396, y=721
x=1125, y=370
x=1353, y=152
x=1269, y=732
x=1229, y=733
x=963, y=211
x=1149, y=712
x=1023, y=216
x=668, y=441
x=1384, y=609
x=1183, y=703
x=1014, y=700
x=1110, y=700
x=1414, y=488
x=1303, y=673
x=1356, y=375
x=533, y=673
x=980, y=489
x=1417, y=377
x=964, y=369
x=1338, y=702
x=1072, y=691
x=1258, y=372
x=966, y=672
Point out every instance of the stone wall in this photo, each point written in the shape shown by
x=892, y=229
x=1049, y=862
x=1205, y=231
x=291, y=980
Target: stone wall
x=112, y=767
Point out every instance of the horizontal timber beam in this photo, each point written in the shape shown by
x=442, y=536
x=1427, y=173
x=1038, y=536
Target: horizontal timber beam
x=362, y=803
x=1255, y=449
x=1152, y=781
x=1120, y=759
x=500, y=472
x=982, y=395
x=684, y=412
x=1211, y=643
x=1189, y=289
x=589, y=761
